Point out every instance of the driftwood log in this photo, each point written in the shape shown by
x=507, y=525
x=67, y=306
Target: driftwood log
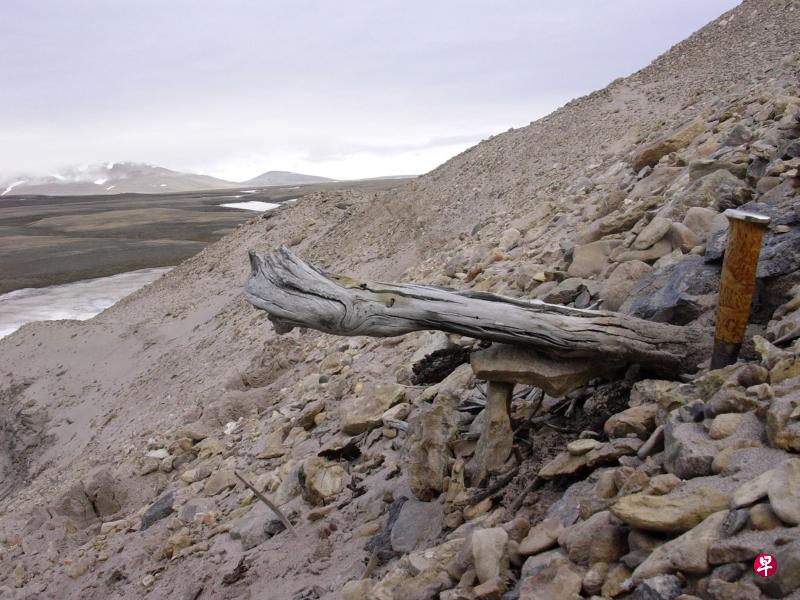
x=296, y=294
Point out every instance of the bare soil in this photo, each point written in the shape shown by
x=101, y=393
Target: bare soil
x=47, y=240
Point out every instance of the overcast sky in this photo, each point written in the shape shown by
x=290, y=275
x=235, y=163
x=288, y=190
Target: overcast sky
x=353, y=88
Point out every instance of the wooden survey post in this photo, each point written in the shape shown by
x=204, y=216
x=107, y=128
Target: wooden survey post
x=737, y=284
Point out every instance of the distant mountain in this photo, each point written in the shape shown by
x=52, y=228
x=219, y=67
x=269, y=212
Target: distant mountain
x=140, y=178
x=285, y=178
x=385, y=177
x=113, y=178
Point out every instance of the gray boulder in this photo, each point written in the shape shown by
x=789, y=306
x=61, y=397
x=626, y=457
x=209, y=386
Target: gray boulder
x=417, y=523
x=674, y=293
x=720, y=190
x=787, y=577
x=616, y=288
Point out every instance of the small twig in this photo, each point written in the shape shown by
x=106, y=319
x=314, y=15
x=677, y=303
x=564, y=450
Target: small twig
x=269, y=503
x=535, y=483
x=472, y=406
x=196, y=594
x=523, y=392
x=523, y=441
x=371, y=565
x=558, y=428
x=494, y=488
x=560, y=406
x=238, y=572
x=571, y=407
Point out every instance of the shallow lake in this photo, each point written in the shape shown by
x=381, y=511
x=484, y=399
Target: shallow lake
x=256, y=205
x=78, y=300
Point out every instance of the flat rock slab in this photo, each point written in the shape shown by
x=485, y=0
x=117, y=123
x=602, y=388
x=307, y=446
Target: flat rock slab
x=488, y=550
x=362, y=413
x=417, y=523
x=541, y=537
x=556, y=376
x=745, y=546
x=158, y=510
x=752, y=491
x=558, y=580
x=563, y=464
x=672, y=513
x=686, y=553
x=784, y=491
x=256, y=527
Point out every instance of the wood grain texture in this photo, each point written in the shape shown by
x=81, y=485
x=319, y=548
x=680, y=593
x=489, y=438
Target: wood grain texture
x=296, y=294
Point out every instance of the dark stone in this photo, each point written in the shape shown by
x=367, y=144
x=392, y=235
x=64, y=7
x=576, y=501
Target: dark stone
x=341, y=448
x=436, y=366
x=780, y=254
x=791, y=150
x=158, y=510
x=787, y=576
x=746, y=545
x=566, y=291
x=634, y=559
x=274, y=527
x=584, y=299
x=418, y=524
x=757, y=168
x=182, y=459
x=735, y=521
x=737, y=136
x=567, y=509
x=672, y=294
x=730, y=572
x=720, y=189
x=381, y=543
x=694, y=412
x=778, y=291
x=661, y=587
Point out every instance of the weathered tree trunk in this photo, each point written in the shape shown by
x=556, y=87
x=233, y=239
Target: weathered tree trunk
x=296, y=294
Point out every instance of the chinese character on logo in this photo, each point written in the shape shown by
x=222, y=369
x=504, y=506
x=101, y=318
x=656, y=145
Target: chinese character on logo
x=765, y=565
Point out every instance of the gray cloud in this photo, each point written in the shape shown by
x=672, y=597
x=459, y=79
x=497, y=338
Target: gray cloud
x=341, y=89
